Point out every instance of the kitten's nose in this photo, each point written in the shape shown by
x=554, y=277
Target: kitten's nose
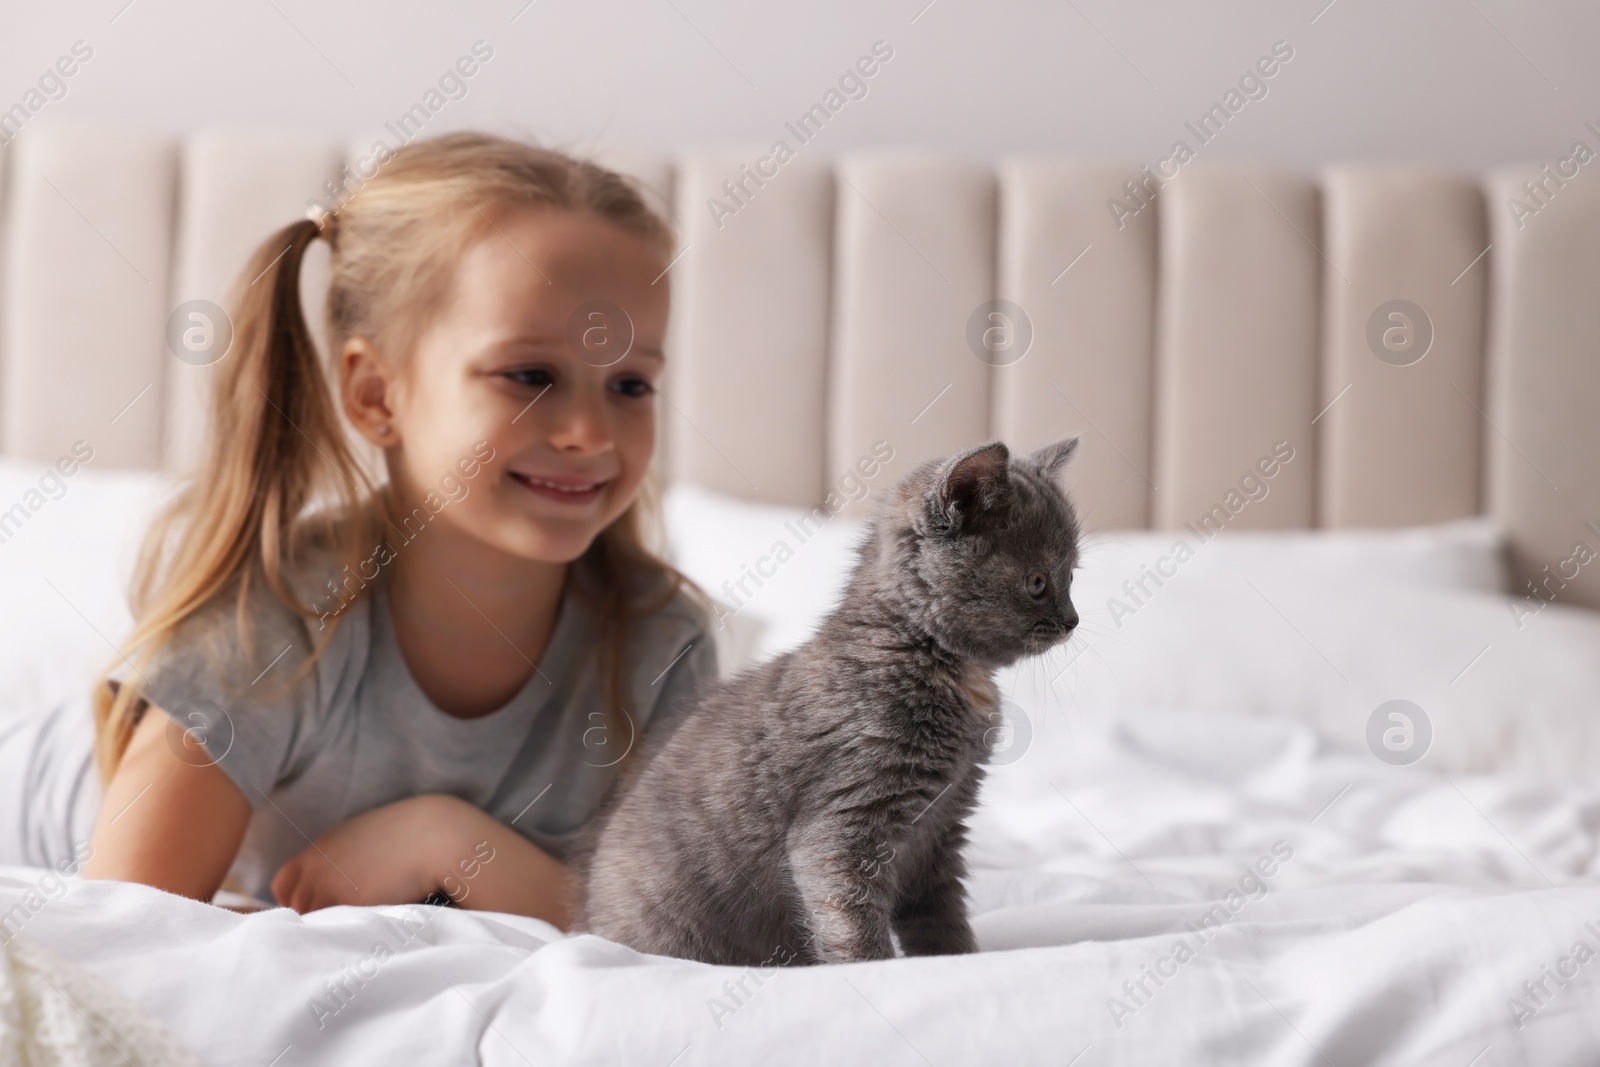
x=1069, y=619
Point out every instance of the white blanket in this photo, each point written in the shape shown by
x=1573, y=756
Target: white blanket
x=1407, y=919
x=53, y=1014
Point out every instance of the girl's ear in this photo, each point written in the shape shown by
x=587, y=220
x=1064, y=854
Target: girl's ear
x=366, y=389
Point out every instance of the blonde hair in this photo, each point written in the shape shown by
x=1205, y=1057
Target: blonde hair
x=279, y=474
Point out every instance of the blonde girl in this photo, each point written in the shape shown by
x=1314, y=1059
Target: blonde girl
x=341, y=693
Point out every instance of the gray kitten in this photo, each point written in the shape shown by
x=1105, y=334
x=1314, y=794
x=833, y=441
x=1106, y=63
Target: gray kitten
x=807, y=807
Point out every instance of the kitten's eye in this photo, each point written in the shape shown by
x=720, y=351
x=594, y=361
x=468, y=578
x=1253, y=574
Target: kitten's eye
x=1036, y=583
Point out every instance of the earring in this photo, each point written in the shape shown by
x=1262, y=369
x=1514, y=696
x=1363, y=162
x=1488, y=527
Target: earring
x=383, y=431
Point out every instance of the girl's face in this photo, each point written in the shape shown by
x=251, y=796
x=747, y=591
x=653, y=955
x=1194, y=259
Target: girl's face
x=527, y=409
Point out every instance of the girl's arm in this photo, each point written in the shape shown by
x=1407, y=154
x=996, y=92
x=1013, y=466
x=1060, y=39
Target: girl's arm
x=402, y=852
x=168, y=820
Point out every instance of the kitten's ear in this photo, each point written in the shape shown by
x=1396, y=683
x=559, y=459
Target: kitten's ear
x=973, y=485
x=1051, y=458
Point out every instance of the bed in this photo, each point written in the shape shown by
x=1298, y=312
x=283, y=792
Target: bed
x=1318, y=787
x=1189, y=849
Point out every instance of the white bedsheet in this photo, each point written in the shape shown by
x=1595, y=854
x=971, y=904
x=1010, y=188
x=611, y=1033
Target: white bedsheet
x=1411, y=912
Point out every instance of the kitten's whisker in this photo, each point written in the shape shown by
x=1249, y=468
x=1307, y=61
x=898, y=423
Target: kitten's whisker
x=1090, y=626
x=1046, y=691
x=1064, y=709
x=1068, y=675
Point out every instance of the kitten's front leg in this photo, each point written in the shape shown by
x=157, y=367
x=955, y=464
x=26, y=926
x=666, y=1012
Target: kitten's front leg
x=931, y=914
x=845, y=897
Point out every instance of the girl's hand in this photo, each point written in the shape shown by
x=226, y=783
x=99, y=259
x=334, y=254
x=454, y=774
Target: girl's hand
x=401, y=852
x=388, y=855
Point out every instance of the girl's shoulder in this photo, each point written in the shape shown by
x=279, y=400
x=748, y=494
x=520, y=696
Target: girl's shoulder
x=261, y=634
x=259, y=674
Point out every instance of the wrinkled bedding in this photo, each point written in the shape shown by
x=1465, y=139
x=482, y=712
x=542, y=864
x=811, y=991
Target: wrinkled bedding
x=1329, y=909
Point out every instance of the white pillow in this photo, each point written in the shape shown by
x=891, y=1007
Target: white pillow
x=782, y=566
x=1317, y=626
x=732, y=549
x=1499, y=693
x=1463, y=554
x=65, y=560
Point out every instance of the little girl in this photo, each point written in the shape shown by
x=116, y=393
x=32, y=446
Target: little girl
x=335, y=694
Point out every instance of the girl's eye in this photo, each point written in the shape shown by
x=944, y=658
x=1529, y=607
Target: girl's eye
x=537, y=377
x=635, y=387
x=1036, y=583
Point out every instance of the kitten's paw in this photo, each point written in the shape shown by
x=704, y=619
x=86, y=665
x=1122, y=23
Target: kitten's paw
x=856, y=949
x=937, y=939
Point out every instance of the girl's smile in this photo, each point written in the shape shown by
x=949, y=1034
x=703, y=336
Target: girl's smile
x=565, y=490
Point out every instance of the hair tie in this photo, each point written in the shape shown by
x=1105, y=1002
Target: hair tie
x=324, y=220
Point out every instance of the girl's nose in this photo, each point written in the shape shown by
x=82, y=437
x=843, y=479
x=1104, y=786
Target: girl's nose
x=581, y=425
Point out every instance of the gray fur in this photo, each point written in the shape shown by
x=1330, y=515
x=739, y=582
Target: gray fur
x=807, y=807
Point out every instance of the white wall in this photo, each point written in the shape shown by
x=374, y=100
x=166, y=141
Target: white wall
x=1464, y=84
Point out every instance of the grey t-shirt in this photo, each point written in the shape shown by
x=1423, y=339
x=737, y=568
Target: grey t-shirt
x=357, y=733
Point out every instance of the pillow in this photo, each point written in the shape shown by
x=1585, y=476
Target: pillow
x=778, y=565
x=1322, y=627
x=782, y=566
x=1498, y=691
x=1463, y=554
x=67, y=547
x=1319, y=626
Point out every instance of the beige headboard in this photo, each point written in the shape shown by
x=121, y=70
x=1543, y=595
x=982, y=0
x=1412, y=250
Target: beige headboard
x=1184, y=331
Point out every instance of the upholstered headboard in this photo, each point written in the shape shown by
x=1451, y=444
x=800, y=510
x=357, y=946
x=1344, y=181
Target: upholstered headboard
x=1425, y=343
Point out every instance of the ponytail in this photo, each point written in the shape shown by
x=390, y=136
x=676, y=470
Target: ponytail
x=277, y=446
